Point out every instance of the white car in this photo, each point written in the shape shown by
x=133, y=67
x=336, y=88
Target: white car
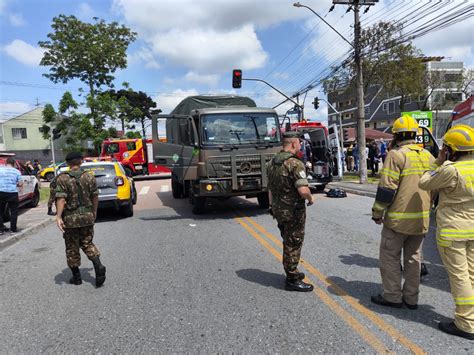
x=28, y=193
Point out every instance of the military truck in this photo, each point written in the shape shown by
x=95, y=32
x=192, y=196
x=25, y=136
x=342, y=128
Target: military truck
x=217, y=147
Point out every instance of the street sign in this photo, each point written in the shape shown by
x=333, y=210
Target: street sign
x=424, y=119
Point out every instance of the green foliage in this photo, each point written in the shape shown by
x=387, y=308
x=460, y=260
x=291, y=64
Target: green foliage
x=133, y=134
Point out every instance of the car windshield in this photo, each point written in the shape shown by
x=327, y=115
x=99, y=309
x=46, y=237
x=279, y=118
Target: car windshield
x=100, y=169
x=239, y=128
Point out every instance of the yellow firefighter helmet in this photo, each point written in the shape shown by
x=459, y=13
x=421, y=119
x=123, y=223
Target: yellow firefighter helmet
x=405, y=124
x=460, y=138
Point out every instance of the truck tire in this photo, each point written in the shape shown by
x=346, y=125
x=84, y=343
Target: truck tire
x=176, y=187
x=49, y=176
x=263, y=200
x=35, y=200
x=186, y=188
x=199, y=204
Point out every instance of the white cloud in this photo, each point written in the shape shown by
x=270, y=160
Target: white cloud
x=85, y=11
x=13, y=109
x=168, y=102
x=23, y=52
x=16, y=20
x=210, y=79
x=144, y=55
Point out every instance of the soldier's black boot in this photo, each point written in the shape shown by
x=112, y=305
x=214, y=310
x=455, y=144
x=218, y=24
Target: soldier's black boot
x=99, y=271
x=298, y=285
x=424, y=270
x=50, y=212
x=76, y=276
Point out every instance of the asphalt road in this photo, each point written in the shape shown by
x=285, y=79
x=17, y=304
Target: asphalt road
x=214, y=283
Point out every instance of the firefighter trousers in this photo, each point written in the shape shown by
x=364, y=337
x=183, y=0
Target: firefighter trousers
x=458, y=259
x=391, y=247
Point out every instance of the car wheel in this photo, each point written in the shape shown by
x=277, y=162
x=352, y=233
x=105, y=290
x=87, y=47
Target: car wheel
x=49, y=177
x=127, y=211
x=35, y=200
x=134, y=195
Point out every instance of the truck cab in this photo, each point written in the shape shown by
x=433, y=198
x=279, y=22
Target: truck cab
x=217, y=147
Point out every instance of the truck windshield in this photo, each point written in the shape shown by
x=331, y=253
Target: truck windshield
x=110, y=148
x=239, y=128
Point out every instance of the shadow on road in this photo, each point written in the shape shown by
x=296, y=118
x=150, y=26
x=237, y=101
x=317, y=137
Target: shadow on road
x=362, y=290
x=264, y=278
x=359, y=260
x=65, y=275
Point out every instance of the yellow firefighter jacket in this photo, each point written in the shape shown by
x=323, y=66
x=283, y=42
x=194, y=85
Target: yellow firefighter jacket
x=455, y=211
x=409, y=210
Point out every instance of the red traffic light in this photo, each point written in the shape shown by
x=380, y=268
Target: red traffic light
x=236, y=78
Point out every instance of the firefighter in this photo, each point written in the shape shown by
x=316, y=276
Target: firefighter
x=403, y=209
x=454, y=180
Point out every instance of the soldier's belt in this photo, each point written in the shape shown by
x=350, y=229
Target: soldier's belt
x=78, y=210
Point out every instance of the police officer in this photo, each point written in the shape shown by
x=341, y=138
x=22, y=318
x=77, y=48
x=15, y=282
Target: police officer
x=454, y=180
x=76, y=202
x=52, y=196
x=404, y=210
x=288, y=191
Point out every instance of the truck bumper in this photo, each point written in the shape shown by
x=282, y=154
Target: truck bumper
x=247, y=186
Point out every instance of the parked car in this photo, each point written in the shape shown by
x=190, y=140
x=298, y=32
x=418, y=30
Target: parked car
x=116, y=190
x=48, y=172
x=28, y=193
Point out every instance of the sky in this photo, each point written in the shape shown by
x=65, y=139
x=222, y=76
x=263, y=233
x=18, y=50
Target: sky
x=189, y=47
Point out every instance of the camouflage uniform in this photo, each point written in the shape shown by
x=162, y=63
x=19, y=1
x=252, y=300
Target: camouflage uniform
x=78, y=189
x=286, y=173
x=52, y=192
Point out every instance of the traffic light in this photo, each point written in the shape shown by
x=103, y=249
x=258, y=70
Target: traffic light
x=316, y=103
x=56, y=133
x=236, y=78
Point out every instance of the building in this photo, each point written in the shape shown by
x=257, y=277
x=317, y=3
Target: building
x=21, y=135
x=382, y=109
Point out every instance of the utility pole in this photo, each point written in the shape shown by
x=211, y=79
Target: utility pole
x=360, y=127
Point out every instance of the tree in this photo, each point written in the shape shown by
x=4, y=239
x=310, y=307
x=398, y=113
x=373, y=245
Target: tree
x=396, y=67
x=88, y=52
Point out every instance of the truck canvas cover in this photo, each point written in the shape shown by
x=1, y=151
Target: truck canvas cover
x=196, y=102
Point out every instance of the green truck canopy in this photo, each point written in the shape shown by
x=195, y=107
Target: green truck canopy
x=195, y=102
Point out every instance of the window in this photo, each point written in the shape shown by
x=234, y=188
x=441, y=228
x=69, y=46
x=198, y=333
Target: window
x=391, y=107
x=131, y=146
x=408, y=100
x=375, y=125
x=367, y=110
x=384, y=106
x=453, y=96
x=19, y=133
x=111, y=148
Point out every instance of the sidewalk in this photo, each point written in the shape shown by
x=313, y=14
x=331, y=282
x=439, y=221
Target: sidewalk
x=353, y=187
x=29, y=221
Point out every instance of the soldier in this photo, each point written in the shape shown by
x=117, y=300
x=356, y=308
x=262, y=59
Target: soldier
x=404, y=210
x=76, y=202
x=52, y=196
x=454, y=180
x=288, y=191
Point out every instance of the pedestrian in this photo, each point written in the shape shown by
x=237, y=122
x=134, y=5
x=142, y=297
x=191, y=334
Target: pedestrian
x=10, y=181
x=77, y=200
x=52, y=197
x=383, y=150
x=373, y=160
x=289, y=189
x=454, y=179
x=355, y=153
x=350, y=158
x=403, y=209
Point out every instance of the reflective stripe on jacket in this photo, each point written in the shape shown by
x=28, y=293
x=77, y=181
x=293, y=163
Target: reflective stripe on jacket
x=455, y=211
x=409, y=211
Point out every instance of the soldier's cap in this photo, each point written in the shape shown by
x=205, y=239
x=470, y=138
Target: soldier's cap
x=73, y=156
x=291, y=134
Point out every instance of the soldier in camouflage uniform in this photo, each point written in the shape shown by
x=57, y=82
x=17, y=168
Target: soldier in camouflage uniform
x=288, y=191
x=52, y=197
x=76, y=202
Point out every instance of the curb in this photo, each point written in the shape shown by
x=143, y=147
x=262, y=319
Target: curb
x=354, y=190
x=24, y=233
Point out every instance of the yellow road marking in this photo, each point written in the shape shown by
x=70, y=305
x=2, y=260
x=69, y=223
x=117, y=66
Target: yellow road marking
x=391, y=331
x=333, y=305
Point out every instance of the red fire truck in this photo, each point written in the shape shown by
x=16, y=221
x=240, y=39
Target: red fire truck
x=463, y=113
x=135, y=154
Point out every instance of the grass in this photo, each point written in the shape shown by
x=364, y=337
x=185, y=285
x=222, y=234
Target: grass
x=354, y=177
x=44, y=193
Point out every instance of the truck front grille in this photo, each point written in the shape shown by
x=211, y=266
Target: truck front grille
x=245, y=165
